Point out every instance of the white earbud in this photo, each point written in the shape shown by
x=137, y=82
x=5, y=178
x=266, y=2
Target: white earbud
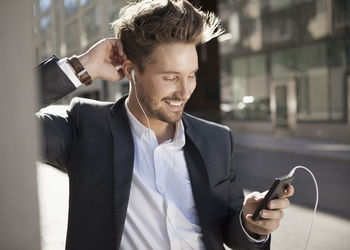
x=133, y=77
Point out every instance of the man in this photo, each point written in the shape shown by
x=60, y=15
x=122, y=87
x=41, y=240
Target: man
x=143, y=174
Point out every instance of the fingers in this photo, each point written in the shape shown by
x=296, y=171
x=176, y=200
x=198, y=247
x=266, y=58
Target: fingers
x=278, y=203
x=263, y=227
x=118, y=56
x=271, y=214
x=289, y=191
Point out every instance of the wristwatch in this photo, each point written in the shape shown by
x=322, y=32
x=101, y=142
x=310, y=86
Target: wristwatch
x=79, y=69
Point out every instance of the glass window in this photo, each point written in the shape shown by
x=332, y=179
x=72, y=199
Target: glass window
x=337, y=79
x=44, y=5
x=278, y=29
x=282, y=64
x=85, y=2
x=239, y=81
x=250, y=90
x=312, y=85
x=91, y=22
x=72, y=36
x=341, y=13
x=45, y=24
x=70, y=7
x=258, y=89
x=279, y=4
x=337, y=94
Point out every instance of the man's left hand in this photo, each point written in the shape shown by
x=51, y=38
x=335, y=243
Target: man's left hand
x=271, y=217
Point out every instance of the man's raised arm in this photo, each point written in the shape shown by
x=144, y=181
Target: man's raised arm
x=58, y=78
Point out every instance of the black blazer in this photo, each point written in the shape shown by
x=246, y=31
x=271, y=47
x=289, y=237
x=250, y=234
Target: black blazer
x=93, y=143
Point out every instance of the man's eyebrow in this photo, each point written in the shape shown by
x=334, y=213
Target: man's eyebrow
x=175, y=72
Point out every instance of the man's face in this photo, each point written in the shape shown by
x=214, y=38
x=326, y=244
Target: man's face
x=168, y=81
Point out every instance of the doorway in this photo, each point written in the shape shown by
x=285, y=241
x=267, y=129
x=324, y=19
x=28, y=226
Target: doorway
x=283, y=104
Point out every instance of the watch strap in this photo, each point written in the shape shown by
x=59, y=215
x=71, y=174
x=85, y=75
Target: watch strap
x=79, y=69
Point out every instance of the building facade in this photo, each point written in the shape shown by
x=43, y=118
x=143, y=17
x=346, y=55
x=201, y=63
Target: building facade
x=285, y=67
x=68, y=27
x=284, y=64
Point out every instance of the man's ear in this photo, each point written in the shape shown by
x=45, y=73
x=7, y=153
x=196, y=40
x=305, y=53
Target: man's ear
x=128, y=66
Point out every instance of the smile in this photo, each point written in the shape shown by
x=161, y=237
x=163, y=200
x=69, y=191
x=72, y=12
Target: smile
x=175, y=103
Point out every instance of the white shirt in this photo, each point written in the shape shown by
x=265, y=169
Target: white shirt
x=161, y=212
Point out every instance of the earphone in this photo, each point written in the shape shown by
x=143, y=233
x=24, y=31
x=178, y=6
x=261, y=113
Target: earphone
x=138, y=101
x=133, y=77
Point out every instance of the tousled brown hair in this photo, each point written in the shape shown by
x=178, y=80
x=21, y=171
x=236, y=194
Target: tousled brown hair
x=143, y=25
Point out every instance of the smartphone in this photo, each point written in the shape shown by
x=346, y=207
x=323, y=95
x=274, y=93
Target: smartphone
x=277, y=189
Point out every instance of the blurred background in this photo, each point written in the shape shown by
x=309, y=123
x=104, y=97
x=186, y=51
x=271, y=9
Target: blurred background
x=279, y=77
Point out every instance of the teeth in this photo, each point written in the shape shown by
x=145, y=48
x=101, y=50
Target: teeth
x=175, y=103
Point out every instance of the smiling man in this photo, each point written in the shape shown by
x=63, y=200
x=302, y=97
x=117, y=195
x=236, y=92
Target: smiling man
x=144, y=174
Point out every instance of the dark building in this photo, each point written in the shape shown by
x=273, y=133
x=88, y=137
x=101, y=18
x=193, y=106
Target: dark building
x=285, y=67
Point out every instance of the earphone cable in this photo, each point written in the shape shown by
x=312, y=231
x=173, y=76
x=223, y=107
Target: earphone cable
x=316, y=202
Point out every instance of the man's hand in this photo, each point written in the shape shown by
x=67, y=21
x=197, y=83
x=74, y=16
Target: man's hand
x=102, y=58
x=270, y=217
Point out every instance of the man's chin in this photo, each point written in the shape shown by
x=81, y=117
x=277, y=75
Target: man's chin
x=171, y=118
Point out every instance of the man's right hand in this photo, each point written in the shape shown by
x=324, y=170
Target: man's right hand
x=102, y=58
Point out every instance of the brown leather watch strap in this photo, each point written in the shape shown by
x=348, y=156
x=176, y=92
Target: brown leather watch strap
x=81, y=72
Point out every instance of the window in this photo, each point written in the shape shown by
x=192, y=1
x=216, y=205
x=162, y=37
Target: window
x=279, y=4
x=72, y=36
x=250, y=89
x=44, y=5
x=283, y=64
x=337, y=80
x=85, y=2
x=91, y=22
x=45, y=24
x=341, y=13
x=319, y=88
x=70, y=7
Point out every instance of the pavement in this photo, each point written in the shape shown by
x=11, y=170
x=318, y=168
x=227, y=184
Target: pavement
x=322, y=149
x=330, y=231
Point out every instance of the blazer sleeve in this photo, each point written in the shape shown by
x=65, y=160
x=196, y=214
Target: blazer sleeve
x=58, y=135
x=58, y=131
x=234, y=236
x=53, y=84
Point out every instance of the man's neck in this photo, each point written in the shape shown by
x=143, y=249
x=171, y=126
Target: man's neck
x=164, y=131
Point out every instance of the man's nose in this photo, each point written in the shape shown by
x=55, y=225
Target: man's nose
x=184, y=89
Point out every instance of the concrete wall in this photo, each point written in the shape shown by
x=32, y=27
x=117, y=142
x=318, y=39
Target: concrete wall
x=19, y=214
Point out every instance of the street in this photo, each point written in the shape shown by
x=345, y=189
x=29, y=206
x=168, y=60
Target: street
x=257, y=170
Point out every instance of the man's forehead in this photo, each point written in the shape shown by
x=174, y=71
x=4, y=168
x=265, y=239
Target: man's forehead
x=175, y=57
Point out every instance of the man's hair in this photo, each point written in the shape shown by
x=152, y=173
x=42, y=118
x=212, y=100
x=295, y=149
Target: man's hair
x=143, y=25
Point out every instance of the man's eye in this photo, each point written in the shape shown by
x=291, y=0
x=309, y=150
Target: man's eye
x=170, y=78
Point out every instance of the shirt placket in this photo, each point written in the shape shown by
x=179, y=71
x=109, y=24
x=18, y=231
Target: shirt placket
x=163, y=165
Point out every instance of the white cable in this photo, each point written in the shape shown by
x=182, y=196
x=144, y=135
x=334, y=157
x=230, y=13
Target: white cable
x=316, y=203
x=137, y=98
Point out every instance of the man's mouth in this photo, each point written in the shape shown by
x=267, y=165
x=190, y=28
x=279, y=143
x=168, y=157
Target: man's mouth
x=175, y=104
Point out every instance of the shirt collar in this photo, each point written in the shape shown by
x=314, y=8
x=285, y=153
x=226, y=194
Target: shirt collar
x=140, y=130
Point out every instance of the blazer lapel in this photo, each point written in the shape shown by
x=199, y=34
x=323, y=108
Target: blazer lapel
x=201, y=190
x=123, y=161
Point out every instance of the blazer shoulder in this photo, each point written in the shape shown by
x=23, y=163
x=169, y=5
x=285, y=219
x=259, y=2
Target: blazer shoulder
x=204, y=125
x=89, y=104
x=82, y=109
